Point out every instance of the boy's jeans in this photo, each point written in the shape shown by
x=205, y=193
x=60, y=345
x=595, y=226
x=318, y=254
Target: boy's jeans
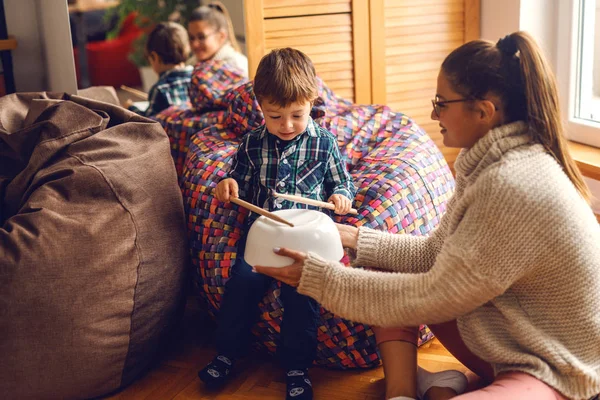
x=239, y=311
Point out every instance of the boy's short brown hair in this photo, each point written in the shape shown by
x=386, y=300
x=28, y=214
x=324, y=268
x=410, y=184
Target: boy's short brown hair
x=285, y=76
x=170, y=41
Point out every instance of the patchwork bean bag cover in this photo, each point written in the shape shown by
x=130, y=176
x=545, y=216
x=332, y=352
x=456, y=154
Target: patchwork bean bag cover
x=403, y=185
x=210, y=86
x=93, y=255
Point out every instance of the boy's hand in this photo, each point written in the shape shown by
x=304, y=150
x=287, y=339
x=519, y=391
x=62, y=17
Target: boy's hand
x=226, y=189
x=128, y=103
x=341, y=202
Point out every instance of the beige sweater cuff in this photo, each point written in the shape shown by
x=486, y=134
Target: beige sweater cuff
x=369, y=243
x=312, y=281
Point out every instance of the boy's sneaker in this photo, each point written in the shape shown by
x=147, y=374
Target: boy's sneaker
x=299, y=386
x=216, y=372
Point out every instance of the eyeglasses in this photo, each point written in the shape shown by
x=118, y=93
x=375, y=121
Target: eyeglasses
x=437, y=104
x=201, y=37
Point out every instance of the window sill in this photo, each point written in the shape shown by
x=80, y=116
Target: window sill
x=587, y=159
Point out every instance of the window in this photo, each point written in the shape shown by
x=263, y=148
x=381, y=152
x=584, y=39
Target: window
x=579, y=68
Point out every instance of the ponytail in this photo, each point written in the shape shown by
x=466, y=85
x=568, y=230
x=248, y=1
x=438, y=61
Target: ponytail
x=217, y=15
x=515, y=70
x=543, y=108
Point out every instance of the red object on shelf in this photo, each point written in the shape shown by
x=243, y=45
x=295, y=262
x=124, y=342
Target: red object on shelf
x=107, y=60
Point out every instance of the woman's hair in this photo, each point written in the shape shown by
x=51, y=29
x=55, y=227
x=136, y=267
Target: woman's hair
x=285, y=76
x=170, y=41
x=217, y=16
x=515, y=70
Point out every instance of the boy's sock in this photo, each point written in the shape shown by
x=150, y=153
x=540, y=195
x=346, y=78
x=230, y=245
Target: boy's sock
x=452, y=379
x=216, y=372
x=299, y=386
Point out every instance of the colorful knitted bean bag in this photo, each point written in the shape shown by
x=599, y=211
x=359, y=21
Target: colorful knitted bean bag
x=403, y=185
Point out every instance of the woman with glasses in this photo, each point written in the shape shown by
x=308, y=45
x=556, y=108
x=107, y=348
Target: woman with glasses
x=212, y=37
x=510, y=280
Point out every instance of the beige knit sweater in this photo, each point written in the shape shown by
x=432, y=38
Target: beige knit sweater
x=516, y=260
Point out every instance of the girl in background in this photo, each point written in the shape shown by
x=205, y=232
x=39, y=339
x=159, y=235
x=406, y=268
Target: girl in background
x=212, y=37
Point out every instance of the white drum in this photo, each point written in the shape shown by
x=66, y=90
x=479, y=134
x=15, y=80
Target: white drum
x=313, y=232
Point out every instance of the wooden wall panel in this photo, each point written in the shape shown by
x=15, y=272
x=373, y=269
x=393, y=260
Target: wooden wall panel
x=333, y=33
x=416, y=37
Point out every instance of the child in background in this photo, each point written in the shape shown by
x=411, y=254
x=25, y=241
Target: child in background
x=167, y=49
x=212, y=37
x=290, y=154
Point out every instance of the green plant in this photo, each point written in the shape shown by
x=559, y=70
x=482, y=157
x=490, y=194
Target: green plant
x=149, y=13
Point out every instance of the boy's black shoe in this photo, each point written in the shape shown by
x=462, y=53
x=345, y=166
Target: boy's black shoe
x=299, y=386
x=215, y=374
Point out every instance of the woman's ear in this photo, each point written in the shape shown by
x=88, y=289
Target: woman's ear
x=487, y=111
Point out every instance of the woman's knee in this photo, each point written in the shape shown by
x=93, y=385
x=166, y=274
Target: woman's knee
x=402, y=334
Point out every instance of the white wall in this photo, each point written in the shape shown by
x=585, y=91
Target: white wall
x=27, y=58
x=499, y=18
x=540, y=18
x=55, y=30
x=43, y=59
x=596, y=89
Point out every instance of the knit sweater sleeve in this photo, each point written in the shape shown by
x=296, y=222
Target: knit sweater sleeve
x=411, y=253
x=480, y=258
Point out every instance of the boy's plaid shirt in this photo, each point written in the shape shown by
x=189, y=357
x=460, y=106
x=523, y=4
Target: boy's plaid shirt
x=170, y=90
x=310, y=165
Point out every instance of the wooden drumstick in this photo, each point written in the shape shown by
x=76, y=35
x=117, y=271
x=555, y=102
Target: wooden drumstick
x=304, y=200
x=260, y=211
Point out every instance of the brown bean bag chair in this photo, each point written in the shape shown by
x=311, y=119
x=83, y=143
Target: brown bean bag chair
x=92, y=245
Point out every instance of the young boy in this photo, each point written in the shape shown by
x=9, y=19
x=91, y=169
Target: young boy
x=167, y=49
x=289, y=154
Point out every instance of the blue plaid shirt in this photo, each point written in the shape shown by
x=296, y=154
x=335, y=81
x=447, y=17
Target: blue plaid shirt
x=170, y=90
x=310, y=165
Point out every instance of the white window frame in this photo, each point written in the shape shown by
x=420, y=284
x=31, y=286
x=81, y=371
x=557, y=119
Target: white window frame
x=577, y=129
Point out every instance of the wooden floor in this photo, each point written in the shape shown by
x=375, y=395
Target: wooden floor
x=258, y=376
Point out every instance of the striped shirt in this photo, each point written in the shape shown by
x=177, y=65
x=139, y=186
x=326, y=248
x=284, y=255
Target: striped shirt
x=170, y=90
x=310, y=165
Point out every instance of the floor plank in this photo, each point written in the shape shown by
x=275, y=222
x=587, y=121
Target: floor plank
x=257, y=376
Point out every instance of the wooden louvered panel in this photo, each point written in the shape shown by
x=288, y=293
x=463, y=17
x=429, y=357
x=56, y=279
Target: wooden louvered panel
x=395, y=71
x=336, y=67
x=415, y=58
x=333, y=58
x=317, y=32
x=306, y=23
x=409, y=77
x=293, y=41
x=441, y=28
x=418, y=36
x=333, y=75
x=423, y=48
x=273, y=9
x=417, y=21
x=444, y=8
x=331, y=4
x=391, y=4
x=333, y=33
x=408, y=86
x=331, y=49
